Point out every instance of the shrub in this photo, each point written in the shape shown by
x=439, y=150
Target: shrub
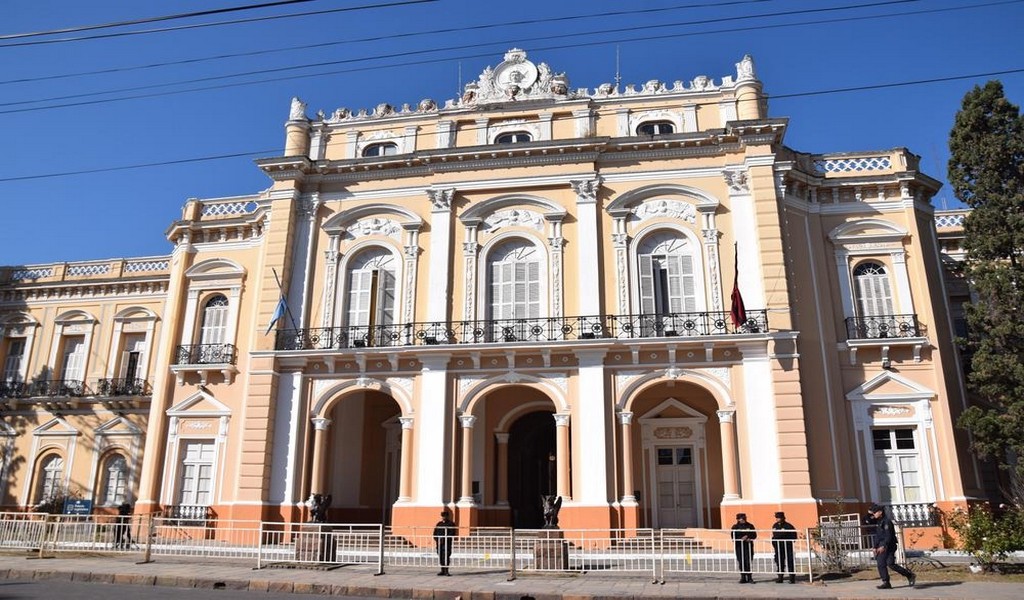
x=987, y=536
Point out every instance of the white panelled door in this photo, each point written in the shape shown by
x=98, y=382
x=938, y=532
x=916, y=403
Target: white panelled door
x=676, y=481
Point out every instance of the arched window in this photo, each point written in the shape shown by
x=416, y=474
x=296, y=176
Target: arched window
x=115, y=480
x=872, y=290
x=665, y=270
x=215, y=321
x=655, y=128
x=383, y=149
x=513, y=137
x=514, y=294
x=371, y=295
x=51, y=478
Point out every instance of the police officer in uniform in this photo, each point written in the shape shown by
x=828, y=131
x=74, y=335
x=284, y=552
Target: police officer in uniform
x=885, y=549
x=783, y=534
x=444, y=531
x=743, y=536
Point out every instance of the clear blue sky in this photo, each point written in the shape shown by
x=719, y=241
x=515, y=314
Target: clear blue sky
x=123, y=213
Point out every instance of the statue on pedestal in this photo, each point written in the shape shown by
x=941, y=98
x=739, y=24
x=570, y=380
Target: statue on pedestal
x=551, y=504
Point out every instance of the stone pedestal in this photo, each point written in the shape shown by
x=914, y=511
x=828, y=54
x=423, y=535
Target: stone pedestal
x=314, y=543
x=551, y=552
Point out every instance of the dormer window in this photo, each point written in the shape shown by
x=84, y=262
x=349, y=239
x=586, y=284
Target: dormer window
x=655, y=128
x=513, y=137
x=385, y=149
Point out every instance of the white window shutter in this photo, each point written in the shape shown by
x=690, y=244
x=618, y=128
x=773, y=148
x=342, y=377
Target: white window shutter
x=359, y=290
x=647, y=303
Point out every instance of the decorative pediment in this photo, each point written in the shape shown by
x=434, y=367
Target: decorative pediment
x=513, y=217
x=371, y=219
x=492, y=208
x=680, y=201
x=867, y=230
x=216, y=271
x=888, y=386
x=200, y=404
x=673, y=409
x=118, y=426
x=55, y=426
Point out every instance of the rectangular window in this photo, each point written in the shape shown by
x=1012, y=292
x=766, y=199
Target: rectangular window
x=196, y=486
x=897, y=465
x=13, y=360
x=73, y=364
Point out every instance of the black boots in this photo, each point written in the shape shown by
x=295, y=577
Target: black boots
x=745, y=578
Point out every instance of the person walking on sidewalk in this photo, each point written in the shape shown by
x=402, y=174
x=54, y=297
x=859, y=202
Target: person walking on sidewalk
x=444, y=532
x=885, y=549
x=783, y=536
x=743, y=535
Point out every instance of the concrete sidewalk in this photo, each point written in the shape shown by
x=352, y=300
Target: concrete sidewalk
x=420, y=584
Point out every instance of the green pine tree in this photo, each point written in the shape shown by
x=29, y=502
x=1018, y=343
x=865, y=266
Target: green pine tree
x=986, y=169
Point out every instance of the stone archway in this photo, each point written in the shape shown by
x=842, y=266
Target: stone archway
x=531, y=467
x=361, y=459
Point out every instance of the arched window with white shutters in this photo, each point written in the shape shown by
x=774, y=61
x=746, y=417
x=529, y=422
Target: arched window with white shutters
x=872, y=290
x=370, y=294
x=51, y=478
x=115, y=480
x=215, y=321
x=666, y=271
x=514, y=294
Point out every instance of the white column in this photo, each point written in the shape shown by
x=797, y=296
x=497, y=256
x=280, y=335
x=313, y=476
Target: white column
x=588, y=276
x=432, y=431
x=628, y=482
x=284, y=488
x=563, y=457
x=300, y=280
x=593, y=414
x=405, y=471
x=905, y=302
x=761, y=426
x=744, y=222
x=317, y=479
x=730, y=468
x=439, y=274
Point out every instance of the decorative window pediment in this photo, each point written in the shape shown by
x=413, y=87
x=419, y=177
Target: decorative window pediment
x=200, y=404
x=887, y=386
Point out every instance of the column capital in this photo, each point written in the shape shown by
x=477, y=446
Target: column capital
x=441, y=198
x=726, y=416
x=586, y=189
x=321, y=423
x=625, y=418
x=501, y=438
x=406, y=422
x=467, y=421
x=561, y=420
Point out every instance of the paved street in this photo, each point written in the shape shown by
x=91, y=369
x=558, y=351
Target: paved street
x=120, y=577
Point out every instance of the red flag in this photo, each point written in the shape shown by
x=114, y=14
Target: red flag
x=738, y=313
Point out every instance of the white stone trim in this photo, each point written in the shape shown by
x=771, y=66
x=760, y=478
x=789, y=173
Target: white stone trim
x=762, y=431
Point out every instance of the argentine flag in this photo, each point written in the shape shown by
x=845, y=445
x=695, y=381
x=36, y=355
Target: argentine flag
x=278, y=313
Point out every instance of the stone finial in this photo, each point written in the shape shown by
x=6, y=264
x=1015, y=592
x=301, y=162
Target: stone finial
x=298, y=110
x=745, y=69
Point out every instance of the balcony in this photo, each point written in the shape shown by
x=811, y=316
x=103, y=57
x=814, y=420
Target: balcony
x=919, y=514
x=504, y=331
x=206, y=354
x=882, y=326
x=204, y=359
x=52, y=388
x=122, y=387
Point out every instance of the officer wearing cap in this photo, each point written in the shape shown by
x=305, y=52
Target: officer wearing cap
x=743, y=536
x=444, y=531
x=885, y=549
x=783, y=534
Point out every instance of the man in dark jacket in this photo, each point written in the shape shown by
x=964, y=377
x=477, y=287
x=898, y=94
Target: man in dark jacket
x=743, y=536
x=885, y=549
x=783, y=534
x=444, y=531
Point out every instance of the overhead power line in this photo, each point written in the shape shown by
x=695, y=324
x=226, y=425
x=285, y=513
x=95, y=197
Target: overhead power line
x=616, y=31
x=579, y=44
x=378, y=38
x=188, y=15
x=870, y=87
x=214, y=24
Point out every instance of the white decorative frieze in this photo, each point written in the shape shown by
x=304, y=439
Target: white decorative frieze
x=375, y=226
x=515, y=217
x=468, y=381
x=664, y=209
x=672, y=433
x=723, y=374
x=516, y=78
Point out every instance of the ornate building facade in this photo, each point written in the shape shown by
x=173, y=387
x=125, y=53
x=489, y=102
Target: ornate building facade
x=525, y=291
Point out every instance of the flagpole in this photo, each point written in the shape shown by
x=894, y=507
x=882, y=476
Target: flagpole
x=280, y=290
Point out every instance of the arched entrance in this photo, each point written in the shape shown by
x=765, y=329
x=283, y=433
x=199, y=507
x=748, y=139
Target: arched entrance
x=531, y=469
x=362, y=462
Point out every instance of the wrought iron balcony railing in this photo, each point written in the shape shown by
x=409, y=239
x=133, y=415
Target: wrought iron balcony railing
x=206, y=354
x=501, y=331
x=882, y=326
x=53, y=388
x=122, y=387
